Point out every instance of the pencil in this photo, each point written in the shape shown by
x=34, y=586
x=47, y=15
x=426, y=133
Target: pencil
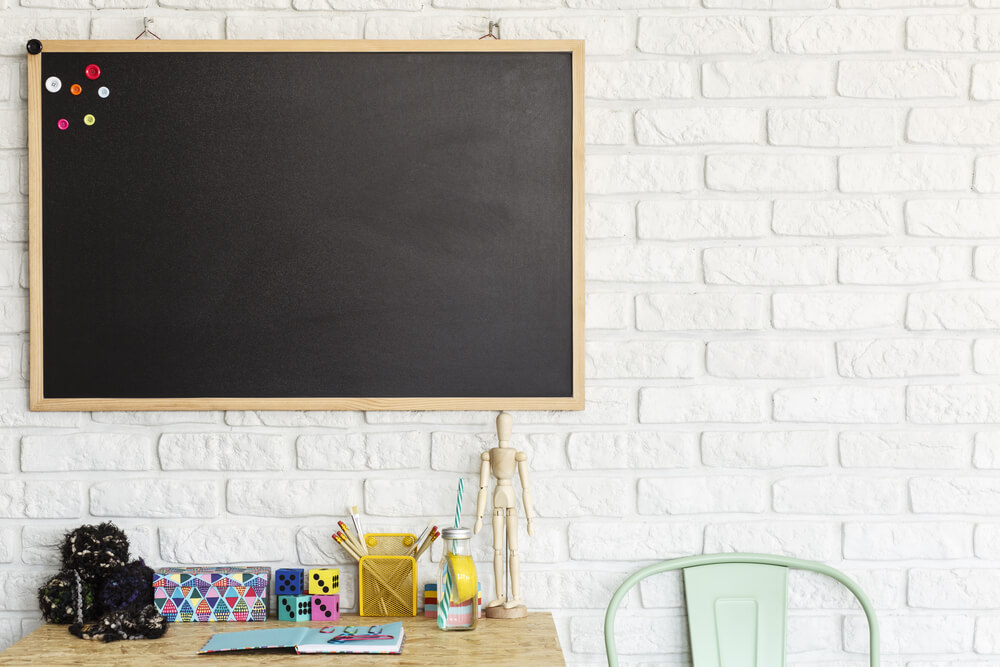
x=427, y=543
x=336, y=538
x=355, y=542
x=424, y=536
x=342, y=541
x=421, y=538
x=427, y=540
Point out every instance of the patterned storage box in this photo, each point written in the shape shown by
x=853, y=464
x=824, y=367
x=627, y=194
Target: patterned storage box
x=200, y=594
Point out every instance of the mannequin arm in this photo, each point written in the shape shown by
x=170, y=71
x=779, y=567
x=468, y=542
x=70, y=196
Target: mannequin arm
x=522, y=471
x=484, y=485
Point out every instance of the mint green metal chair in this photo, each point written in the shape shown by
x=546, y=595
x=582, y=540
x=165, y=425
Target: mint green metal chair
x=737, y=607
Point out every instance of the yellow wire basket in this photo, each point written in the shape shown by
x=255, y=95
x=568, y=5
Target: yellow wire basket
x=387, y=578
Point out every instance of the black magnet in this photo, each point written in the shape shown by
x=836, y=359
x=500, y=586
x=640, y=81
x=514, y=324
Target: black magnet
x=34, y=47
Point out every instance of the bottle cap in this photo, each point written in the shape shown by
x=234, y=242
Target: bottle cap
x=456, y=533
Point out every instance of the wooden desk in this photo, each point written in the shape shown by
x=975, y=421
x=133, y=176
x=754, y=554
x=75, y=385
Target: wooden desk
x=527, y=642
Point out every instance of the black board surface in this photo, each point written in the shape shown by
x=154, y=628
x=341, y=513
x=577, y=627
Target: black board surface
x=308, y=224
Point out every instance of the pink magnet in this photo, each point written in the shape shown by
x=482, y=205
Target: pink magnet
x=92, y=71
x=62, y=124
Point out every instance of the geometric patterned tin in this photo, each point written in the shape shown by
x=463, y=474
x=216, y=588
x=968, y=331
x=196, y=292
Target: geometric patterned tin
x=209, y=594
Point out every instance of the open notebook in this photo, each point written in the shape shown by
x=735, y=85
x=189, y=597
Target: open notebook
x=329, y=639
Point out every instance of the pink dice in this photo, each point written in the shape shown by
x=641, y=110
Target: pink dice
x=326, y=607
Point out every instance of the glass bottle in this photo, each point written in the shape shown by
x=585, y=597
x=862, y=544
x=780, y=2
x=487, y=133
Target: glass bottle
x=457, y=583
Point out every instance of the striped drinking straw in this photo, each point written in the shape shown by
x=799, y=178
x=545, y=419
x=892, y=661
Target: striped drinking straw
x=444, y=603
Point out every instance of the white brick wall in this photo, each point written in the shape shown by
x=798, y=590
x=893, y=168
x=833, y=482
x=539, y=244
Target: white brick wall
x=793, y=270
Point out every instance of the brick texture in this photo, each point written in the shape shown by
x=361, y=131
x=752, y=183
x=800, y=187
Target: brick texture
x=792, y=305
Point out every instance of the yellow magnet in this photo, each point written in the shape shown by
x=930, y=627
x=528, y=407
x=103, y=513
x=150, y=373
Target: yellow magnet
x=89, y=119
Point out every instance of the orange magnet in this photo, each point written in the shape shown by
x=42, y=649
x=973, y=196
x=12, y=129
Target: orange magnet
x=76, y=89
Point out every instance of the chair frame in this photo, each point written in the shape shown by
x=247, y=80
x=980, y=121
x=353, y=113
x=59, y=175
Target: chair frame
x=759, y=559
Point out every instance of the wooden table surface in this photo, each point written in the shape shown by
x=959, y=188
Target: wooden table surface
x=529, y=642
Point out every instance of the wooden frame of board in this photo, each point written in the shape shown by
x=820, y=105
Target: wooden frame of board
x=38, y=401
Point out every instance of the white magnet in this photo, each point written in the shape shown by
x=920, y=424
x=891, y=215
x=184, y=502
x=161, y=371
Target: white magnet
x=53, y=84
x=103, y=91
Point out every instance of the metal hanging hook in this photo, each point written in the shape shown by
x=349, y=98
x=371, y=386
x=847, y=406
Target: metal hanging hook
x=494, y=26
x=145, y=28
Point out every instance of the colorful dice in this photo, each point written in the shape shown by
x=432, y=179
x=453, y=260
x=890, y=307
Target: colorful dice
x=326, y=607
x=302, y=598
x=324, y=582
x=289, y=582
x=294, y=607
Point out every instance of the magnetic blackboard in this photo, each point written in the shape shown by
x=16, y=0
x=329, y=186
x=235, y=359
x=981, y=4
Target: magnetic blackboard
x=306, y=225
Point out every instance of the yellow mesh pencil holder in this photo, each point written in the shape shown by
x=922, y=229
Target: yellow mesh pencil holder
x=387, y=577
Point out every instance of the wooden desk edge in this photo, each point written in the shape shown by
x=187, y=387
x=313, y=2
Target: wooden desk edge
x=533, y=642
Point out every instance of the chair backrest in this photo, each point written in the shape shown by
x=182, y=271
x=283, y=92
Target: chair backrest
x=736, y=606
x=741, y=603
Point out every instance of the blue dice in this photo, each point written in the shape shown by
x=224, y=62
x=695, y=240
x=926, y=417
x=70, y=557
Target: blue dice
x=289, y=582
x=294, y=607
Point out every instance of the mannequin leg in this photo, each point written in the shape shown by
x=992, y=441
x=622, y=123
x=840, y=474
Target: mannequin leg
x=498, y=579
x=515, y=561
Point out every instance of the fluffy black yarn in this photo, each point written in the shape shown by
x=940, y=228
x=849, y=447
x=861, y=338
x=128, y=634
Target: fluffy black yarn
x=95, y=551
x=130, y=586
x=96, y=579
x=61, y=596
x=136, y=623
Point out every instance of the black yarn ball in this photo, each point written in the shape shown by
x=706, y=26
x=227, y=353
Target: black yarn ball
x=130, y=586
x=57, y=599
x=95, y=551
x=135, y=623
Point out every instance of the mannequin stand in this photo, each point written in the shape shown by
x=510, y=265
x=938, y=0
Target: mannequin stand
x=503, y=612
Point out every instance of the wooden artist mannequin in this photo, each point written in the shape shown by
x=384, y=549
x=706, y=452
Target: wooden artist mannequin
x=502, y=461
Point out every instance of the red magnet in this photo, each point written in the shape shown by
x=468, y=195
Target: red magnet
x=62, y=124
x=92, y=71
x=76, y=89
